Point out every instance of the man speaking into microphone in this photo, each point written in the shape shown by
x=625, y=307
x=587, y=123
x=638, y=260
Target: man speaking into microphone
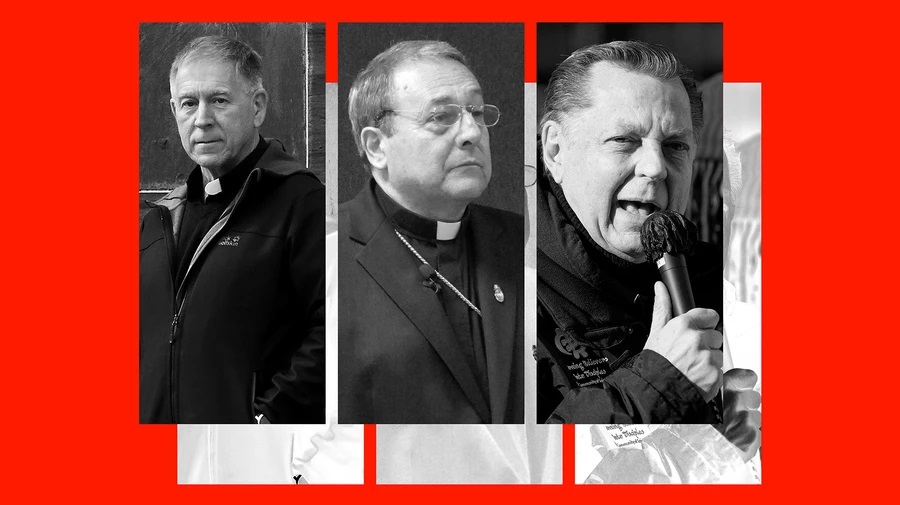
x=619, y=133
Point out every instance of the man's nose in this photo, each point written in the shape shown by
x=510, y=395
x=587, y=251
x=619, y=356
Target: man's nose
x=204, y=116
x=470, y=132
x=652, y=161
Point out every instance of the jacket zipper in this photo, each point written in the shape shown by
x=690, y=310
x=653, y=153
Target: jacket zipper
x=181, y=292
x=253, y=397
x=216, y=228
x=173, y=389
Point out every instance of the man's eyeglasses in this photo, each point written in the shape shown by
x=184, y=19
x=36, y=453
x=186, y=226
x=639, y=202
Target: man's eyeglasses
x=450, y=114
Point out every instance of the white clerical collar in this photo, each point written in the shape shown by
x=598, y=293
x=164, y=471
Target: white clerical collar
x=415, y=225
x=447, y=231
x=213, y=187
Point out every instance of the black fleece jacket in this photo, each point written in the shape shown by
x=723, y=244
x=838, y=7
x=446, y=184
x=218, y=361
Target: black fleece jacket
x=244, y=332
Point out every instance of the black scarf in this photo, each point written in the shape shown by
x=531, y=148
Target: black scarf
x=598, y=298
x=601, y=300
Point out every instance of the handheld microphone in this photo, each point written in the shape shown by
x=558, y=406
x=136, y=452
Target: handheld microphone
x=667, y=238
x=428, y=273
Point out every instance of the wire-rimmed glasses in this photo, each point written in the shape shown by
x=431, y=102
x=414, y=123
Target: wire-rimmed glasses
x=449, y=114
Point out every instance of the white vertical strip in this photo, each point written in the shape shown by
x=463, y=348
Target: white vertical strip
x=530, y=256
x=306, y=82
x=212, y=440
x=331, y=150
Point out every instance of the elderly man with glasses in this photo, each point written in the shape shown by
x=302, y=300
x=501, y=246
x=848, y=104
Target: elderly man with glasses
x=430, y=285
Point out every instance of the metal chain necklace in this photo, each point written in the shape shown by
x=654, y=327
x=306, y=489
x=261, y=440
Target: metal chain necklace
x=439, y=276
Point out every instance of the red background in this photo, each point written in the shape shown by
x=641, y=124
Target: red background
x=69, y=227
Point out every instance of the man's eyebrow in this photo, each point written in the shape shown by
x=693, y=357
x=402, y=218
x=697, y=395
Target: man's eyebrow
x=209, y=92
x=683, y=133
x=185, y=94
x=446, y=98
x=624, y=126
x=219, y=91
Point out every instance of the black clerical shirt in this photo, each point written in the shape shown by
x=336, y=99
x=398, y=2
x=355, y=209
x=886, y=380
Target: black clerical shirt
x=453, y=259
x=202, y=211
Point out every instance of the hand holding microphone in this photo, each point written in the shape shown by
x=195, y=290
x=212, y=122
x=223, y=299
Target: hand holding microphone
x=689, y=341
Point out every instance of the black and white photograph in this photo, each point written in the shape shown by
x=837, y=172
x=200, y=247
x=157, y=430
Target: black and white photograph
x=270, y=454
x=232, y=233
x=430, y=223
x=707, y=453
x=469, y=454
x=629, y=224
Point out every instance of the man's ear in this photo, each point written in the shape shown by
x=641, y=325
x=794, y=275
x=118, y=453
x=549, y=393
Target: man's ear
x=172, y=106
x=260, y=102
x=373, y=142
x=553, y=143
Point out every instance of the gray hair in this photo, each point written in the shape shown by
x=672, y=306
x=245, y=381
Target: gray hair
x=247, y=62
x=567, y=93
x=372, y=90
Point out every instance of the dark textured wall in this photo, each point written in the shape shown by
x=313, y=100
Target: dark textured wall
x=495, y=53
x=283, y=47
x=315, y=34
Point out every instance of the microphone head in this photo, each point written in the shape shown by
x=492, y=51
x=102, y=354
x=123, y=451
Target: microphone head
x=667, y=231
x=426, y=270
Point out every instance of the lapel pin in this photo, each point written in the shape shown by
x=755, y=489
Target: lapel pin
x=498, y=293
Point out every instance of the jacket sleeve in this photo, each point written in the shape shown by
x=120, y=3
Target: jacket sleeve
x=297, y=394
x=648, y=390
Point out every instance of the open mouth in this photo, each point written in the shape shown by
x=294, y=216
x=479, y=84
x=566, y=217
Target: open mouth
x=638, y=208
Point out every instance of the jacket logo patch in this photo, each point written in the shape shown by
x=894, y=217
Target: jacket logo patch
x=230, y=240
x=568, y=345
